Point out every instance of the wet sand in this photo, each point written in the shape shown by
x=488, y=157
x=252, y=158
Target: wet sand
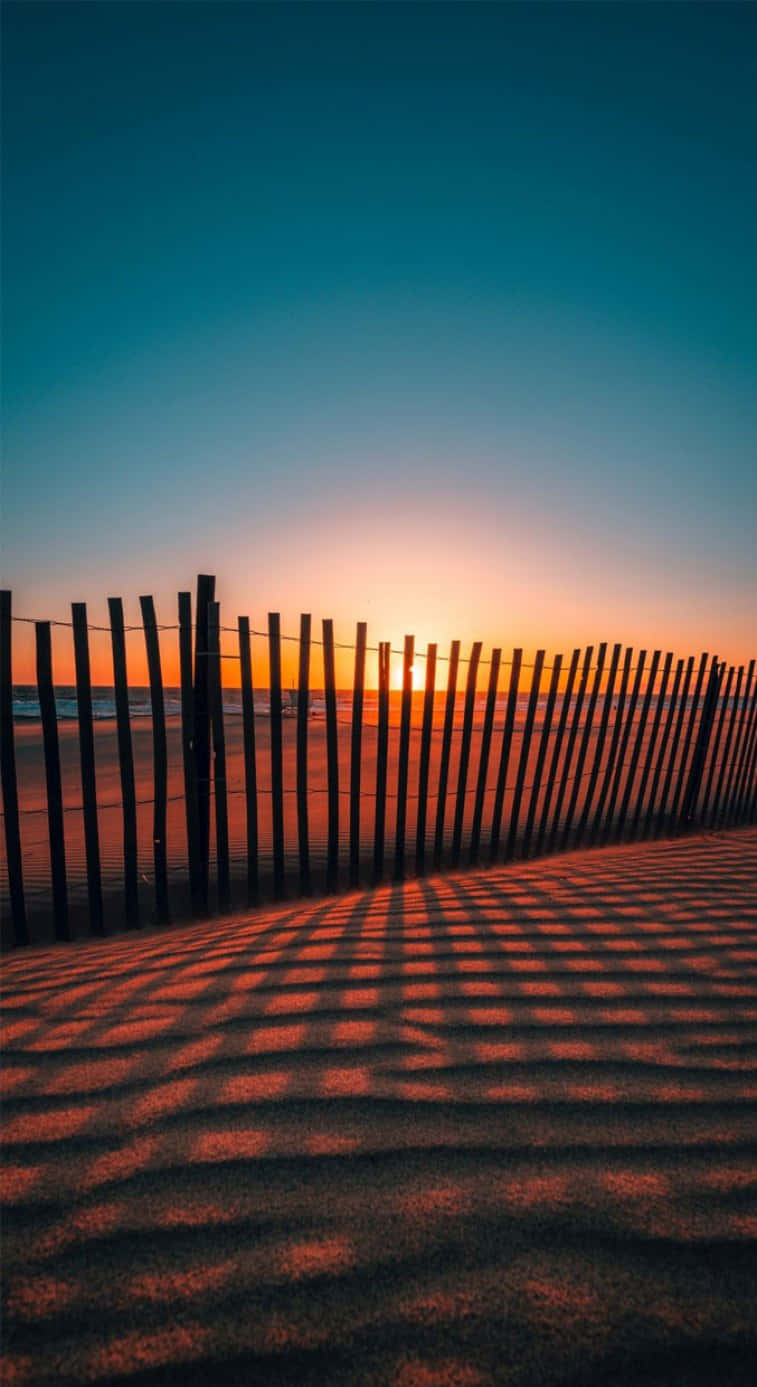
x=480, y=1130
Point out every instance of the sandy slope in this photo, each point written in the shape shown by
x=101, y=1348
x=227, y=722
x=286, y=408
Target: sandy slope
x=487, y=1128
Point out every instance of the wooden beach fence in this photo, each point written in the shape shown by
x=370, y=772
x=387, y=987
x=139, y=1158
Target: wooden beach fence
x=567, y=756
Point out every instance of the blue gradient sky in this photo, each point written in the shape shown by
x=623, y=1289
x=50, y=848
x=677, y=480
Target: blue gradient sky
x=438, y=316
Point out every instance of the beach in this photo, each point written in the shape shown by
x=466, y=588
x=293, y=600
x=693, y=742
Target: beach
x=488, y=1128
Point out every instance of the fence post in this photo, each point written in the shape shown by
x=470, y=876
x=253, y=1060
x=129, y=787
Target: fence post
x=49, y=719
x=483, y=760
x=700, y=746
x=332, y=756
x=727, y=802
x=623, y=745
x=584, y=743
x=303, y=706
x=206, y=586
x=8, y=776
x=125, y=760
x=541, y=754
x=572, y=735
x=381, y=759
x=555, y=760
x=356, y=749
x=402, y=770
x=617, y=728
x=599, y=748
x=462, y=772
x=87, y=759
x=219, y=757
x=525, y=747
x=504, y=755
x=667, y=728
x=648, y=759
x=160, y=759
x=250, y=768
x=194, y=853
x=425, y=758
x=638, y=740
x=746, y=758
x=277, y=773
x=449, y=722
x=716, y=742
x=681, y=779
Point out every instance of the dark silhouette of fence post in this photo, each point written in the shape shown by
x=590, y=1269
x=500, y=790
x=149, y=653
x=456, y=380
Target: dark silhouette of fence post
x=462, y=772
x=206, y=587
x=662, y=817
x=625, y=735
x=49, y=718
x=160, y=759
x=741, y=779
x=649, y=758
x=189, y=765
x=737, y=745
x=215, y=686
x=381, y=759
x=669, y=720
x=541, y=754
x=402, y=770
x=250, y=767
x=617, y=728
x=599, y=748
x=332, y=756
x=356, y=749
x=555, y=760
x=584, y=743
x=425, y=758
x=688, y=804
x=8, y=776
x=682, y=769
x=730, y=729
x=716, y=741
x=125, y=760
x=504, y=755
x=303, y=707
x=483, y=760
x=572, y=735
x=277, y=770
x=449, y=722
x=637, y=744
x=525, y=747
x=87, y=759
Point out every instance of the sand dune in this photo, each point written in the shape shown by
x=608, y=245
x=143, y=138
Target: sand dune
x=487, y=1128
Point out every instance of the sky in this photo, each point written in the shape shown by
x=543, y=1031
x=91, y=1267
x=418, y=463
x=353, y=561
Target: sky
x=441, y=317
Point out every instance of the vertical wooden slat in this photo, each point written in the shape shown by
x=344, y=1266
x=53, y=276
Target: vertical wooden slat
x=189, y=763
x=725, y=759
x=462, y=772
x=504, y=755
x=215, y=689
x=662, y=814
x=599, y=748
x=625, y=736
x=9, y=779
x=332, y=755
x=483, y=760
x=87, y=759
x=303, y=709
x=250, y=765
x=750, y=786
x=555, y=759
x=525, y=746
x=683, y=767
x=715, y=745
x=404, y=757
x=617, y=729
x=704, y=733
x=356, y=751
x=206, y=586
x=584, y=743
x=637, y=744
x=725, y=813
x=382, y=746
x=741, y=780
x=541, y=754
x=425, y=758
x=49, y=719
x=651, y=744
x=572, y=735
x=449, y=722
x=125, y=760
x=159, y=758
x=277, y=770
x=667, y=728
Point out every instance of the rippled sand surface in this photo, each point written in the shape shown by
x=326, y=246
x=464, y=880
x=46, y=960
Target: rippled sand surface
x=490, y=1128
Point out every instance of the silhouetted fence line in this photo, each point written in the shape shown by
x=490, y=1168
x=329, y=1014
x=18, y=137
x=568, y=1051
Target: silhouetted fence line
x=590, y=750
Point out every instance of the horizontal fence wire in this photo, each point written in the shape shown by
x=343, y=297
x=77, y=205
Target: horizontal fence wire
x=678, y=756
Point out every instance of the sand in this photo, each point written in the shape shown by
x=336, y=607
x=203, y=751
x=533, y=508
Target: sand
x=488, y=1128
